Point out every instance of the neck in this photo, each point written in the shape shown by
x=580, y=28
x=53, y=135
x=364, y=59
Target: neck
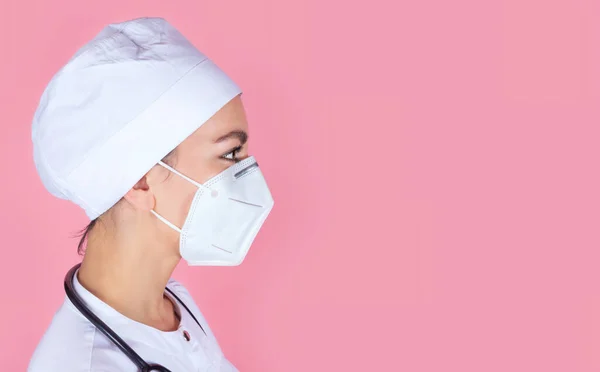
x=130, y=276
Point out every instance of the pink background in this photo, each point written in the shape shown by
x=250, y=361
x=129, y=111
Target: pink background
x=434, y=165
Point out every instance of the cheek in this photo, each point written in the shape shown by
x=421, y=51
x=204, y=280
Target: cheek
x=182, y=200
x=174, y=201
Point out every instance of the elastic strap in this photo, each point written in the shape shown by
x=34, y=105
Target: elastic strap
x=199, y=185
x=166, y=221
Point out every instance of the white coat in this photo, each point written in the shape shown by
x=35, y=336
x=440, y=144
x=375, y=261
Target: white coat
x=73, y=344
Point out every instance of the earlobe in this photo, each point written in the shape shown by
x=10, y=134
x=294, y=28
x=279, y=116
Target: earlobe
x=140, y=196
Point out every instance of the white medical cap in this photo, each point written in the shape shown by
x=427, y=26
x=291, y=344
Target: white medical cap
x=119, y=105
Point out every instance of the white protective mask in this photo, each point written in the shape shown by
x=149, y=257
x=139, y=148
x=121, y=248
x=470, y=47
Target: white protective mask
x=225, y=215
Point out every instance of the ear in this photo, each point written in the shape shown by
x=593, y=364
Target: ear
x=140, y=196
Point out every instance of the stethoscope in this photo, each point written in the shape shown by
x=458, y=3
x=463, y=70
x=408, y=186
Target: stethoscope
x=108, y=332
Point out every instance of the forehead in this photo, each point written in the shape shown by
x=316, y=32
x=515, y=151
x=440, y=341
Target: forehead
x=231, y=117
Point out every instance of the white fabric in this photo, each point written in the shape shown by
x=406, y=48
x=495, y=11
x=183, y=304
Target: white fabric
x=225, y=215
x=73, y=344
x=120, y=104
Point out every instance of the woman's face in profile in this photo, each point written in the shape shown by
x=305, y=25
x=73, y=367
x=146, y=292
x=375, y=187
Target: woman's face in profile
x=215, y=146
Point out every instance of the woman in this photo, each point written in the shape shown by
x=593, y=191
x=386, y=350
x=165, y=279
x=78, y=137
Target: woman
x=149, y=137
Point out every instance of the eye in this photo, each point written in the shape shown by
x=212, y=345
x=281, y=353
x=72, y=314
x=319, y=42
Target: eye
x=232, y=155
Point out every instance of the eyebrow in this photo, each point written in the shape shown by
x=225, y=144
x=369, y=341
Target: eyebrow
x=239, y=134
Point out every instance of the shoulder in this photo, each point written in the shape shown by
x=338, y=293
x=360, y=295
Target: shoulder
x=66, y=345
x=70, y=344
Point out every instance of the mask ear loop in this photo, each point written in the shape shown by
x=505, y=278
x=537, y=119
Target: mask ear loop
x=198, y=185
x=214, y=193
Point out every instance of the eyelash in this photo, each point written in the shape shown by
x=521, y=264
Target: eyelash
x=234, y=152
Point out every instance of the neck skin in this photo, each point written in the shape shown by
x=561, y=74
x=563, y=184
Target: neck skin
x=128, y=268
